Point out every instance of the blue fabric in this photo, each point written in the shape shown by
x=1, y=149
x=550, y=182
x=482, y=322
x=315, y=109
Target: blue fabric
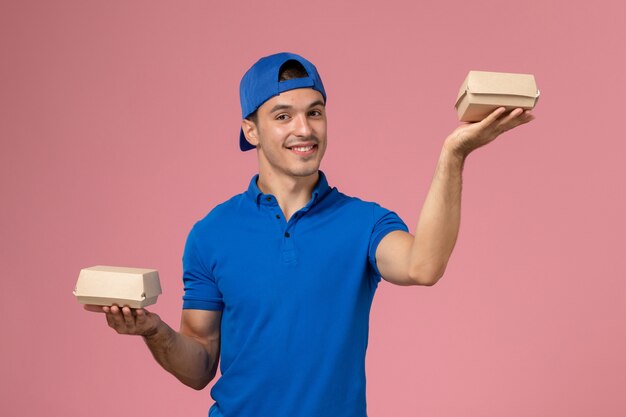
x=295, y=296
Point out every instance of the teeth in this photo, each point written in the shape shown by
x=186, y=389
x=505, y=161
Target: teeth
x=303, y=148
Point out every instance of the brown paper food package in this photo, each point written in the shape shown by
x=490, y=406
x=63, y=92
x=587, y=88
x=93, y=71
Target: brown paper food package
x=108, y=285
x=482, y=92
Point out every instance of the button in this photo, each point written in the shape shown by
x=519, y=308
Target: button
x=287, y=234
x=268, y=198
x=278, y=216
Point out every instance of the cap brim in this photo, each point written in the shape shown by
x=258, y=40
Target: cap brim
x=244, y=145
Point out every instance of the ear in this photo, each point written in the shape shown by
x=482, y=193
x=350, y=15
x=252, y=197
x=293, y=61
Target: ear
x=250, y=131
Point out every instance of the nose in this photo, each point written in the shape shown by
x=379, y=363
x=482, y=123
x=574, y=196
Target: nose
x=302, y=126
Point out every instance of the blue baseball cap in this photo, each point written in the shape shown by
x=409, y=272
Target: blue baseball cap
x=261, y=82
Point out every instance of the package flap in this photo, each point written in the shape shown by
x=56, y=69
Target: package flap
x=499, y=83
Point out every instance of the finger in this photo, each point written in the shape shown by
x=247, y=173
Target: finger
x=510, y=119
x=115, y=318
x=493, y=116
x=517, y=117
x=528, y=116
x=516, y=113
x=111, y=320
x=141, y=317
x=129, y=320
x=525, y=117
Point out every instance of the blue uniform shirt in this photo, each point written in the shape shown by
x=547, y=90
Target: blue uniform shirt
x=295, y=296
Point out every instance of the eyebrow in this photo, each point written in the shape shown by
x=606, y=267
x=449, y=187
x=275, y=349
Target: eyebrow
x=287, y=106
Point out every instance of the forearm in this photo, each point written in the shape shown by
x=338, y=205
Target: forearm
x=422, y=259
x=182, y=356
x=438, y=225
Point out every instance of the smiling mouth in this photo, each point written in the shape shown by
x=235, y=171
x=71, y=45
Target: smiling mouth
x=303, y=150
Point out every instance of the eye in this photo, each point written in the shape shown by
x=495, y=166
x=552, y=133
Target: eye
x=315, y=113
x=282, y=116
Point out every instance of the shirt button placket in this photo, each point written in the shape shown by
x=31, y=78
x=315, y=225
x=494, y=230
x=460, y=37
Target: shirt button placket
x=289, y=252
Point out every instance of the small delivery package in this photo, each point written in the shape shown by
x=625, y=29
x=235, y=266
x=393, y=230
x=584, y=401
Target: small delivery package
x=108, y=285
x=482, y=92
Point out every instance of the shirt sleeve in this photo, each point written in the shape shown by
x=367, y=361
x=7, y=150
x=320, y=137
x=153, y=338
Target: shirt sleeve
x=201, y=291
x=385, y=221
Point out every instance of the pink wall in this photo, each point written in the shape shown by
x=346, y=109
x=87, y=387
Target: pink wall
x=118, y=129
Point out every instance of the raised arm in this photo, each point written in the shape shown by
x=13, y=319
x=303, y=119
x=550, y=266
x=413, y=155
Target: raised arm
x=421, y=259
x=191, y=354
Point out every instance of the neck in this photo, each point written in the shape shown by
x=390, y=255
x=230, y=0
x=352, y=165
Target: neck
x=292, y=193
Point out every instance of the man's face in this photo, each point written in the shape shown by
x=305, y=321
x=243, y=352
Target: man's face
x=290, y=133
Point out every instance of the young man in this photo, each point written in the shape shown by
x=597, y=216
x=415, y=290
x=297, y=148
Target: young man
x=280, y=279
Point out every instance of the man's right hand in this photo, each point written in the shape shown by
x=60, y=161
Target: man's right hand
x=191, y=355
x=126, y=320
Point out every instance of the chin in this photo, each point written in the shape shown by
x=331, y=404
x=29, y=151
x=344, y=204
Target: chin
x=305, y=172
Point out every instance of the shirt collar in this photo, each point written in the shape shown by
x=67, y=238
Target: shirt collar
x=321, y=189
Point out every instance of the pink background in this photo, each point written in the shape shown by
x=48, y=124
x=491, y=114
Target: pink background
x=119, y=123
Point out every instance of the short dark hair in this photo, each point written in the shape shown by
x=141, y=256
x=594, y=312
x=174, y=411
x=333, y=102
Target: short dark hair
x=288, y=71
x=291, y=69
